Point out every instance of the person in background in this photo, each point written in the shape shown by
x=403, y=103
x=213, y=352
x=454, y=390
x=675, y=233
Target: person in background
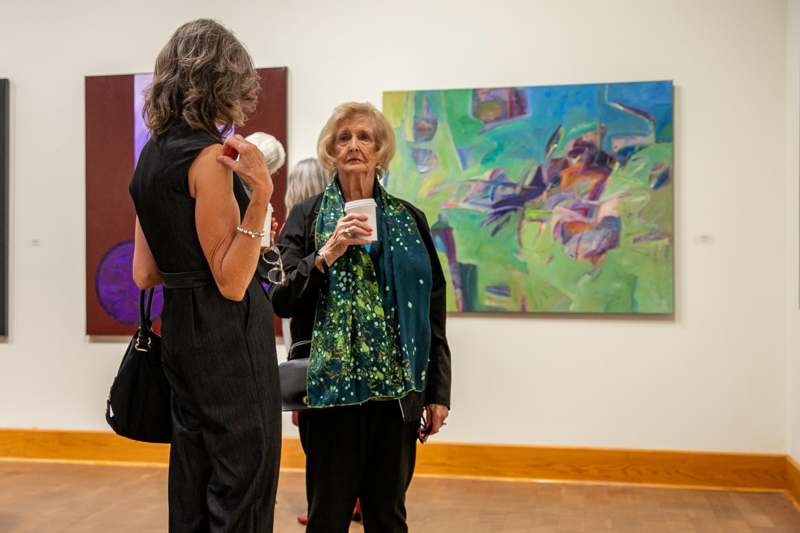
x=199, y=235
x=306, y=179
x=374, y=313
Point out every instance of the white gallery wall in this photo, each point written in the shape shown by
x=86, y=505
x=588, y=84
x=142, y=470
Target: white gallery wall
x=713, y=377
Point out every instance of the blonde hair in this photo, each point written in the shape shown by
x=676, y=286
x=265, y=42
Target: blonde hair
x=204, y=76
x=306, y=179
x=384, y=134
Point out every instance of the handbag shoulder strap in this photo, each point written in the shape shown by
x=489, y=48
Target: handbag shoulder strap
x=145, y=307
x=143, y=334
x=295, y=347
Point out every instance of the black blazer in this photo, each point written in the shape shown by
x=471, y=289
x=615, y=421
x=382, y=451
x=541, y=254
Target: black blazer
x=297, y=299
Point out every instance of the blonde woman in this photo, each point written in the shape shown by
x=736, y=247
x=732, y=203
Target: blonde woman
x=372, y=303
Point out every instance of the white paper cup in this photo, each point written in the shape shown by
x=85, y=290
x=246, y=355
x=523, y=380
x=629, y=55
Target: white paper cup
x=367, y=207
x=266, y=239
x=271, y=148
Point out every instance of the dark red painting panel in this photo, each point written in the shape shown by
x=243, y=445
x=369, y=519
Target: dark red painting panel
x=113, y=138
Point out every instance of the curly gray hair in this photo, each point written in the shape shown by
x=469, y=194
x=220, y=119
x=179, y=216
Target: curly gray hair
x=204, y=76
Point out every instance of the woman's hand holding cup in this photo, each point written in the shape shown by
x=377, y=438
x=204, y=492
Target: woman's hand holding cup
x=352, y=229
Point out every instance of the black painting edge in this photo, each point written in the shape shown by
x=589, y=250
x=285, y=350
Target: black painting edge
x=4, y=175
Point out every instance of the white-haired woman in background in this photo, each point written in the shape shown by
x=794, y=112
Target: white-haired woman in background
x=306, y=179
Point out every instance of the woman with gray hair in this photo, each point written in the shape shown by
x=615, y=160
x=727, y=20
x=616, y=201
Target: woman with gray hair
x=198, y=234
x=306, y=179
x=367, y=301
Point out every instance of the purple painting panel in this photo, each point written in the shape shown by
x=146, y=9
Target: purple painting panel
x=140, y=132
x=116, y=290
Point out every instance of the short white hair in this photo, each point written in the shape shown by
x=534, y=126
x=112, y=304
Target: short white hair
x=306, y=179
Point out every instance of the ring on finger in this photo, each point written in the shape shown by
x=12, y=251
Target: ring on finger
x=348, y=233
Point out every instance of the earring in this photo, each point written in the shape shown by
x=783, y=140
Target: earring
x=379, y=171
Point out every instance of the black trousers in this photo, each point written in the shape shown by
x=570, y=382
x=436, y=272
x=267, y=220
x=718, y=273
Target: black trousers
x=365, y=452
x=225, y=454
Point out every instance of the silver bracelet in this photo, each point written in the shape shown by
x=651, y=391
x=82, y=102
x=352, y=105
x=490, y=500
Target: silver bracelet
x=249, y=233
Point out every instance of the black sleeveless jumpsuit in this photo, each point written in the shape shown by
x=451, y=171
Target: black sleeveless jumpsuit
x=219, y=357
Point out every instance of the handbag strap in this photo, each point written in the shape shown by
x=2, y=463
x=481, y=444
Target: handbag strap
x=295, y=346
x=143, y=334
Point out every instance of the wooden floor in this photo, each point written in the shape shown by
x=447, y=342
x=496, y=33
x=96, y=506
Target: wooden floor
x=76, y=498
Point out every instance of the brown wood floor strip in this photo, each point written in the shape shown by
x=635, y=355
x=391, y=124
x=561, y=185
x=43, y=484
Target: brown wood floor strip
x=681, y=469
x=80, y=498
x=79, y=446
x=623, y=466
x=793, y=480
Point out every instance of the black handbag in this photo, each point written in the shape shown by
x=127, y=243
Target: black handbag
x=138, y=405
x=293, y=374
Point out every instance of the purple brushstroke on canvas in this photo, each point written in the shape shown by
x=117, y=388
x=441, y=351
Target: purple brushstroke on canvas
x=497, y=106
x=559, y=198
x=499, y=290
x=659, y=176
x=424, y=159
x=463, y=156
x=596, y=242
x=116, y=290
x=425, y=123
x=655, y=236
x=445, y=241
x=140, y=132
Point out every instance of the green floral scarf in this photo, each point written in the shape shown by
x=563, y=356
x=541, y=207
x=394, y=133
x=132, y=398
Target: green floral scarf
x=372, y=332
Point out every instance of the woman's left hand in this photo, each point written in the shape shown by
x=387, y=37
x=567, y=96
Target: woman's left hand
x=250, y=166
x=435, y=416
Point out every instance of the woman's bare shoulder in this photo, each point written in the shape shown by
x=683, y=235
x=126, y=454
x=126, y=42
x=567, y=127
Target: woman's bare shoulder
x=206, y=170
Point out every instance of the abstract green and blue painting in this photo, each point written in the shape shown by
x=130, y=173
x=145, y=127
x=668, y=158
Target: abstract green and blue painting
x=554, y=199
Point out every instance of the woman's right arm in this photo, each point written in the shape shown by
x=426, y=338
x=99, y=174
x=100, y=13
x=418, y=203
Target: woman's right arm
x=231, y=255
x=145, y=269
